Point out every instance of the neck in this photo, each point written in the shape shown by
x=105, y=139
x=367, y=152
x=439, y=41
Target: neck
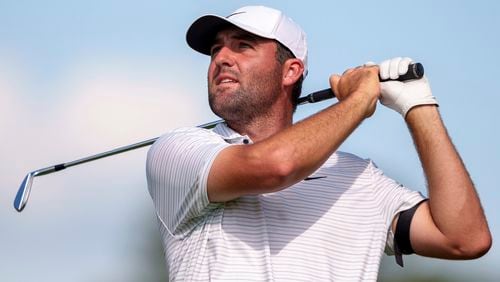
x=279, y=117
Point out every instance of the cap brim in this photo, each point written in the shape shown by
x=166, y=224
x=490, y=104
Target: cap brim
x=201, y=33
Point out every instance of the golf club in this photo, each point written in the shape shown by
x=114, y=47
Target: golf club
x=415, y=71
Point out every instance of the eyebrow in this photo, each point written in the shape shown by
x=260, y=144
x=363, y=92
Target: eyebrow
x=241, y=35
x=246, y=36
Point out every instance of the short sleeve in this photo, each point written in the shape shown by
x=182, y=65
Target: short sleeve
x=392, y=198
x=177, y=169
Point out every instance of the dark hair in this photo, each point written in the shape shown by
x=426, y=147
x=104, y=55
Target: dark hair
x=283, y=54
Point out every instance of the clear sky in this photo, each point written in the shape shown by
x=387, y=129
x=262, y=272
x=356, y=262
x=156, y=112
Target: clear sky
x=82, y=77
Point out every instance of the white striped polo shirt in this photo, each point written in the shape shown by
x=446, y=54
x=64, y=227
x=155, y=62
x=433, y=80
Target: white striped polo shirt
x=332, y=226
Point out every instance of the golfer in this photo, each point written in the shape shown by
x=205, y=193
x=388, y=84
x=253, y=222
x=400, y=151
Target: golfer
x=259, y=198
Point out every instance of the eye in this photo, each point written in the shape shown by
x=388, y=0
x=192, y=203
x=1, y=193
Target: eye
x=214, y=50
x=244, y=45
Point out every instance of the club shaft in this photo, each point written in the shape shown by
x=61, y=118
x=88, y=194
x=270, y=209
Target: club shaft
x=122, y=149
x=415, y=71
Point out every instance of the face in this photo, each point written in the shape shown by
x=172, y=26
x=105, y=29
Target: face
x=244, y=77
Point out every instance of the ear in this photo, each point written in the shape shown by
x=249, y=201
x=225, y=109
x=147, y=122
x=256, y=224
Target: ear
x=292, y=71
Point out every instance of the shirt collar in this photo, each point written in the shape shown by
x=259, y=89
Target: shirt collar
x=230, y=135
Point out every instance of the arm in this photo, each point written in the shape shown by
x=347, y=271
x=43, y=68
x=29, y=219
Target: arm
x=452, y=223
x=295, y=152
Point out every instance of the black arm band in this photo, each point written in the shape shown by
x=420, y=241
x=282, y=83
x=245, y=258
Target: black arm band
x=402, y=235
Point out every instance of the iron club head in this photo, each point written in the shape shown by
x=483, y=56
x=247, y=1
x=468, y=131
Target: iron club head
x=24, y=192
x=25, y=189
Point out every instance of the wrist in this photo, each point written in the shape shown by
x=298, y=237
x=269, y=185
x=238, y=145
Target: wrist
x=410, y=104
x=363, y=103
x=422, y=113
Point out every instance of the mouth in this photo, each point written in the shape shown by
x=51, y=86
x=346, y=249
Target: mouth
x=225, y=80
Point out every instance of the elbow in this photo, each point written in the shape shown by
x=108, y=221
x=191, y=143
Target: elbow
x=281, y=172
x=475, y=248
x=482, y=246
x=284, y=173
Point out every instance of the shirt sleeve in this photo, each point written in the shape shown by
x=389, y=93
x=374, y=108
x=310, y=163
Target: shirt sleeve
x=393, y=198
x=177, y=169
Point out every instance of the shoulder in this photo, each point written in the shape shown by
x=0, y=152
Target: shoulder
x=186, y=142
x=340, y=158
x=186, y=136
x=349, y=165
x=345, y=156
x=189, y=133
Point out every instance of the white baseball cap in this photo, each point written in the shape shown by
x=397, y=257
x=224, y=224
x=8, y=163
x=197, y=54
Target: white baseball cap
x=259, y=20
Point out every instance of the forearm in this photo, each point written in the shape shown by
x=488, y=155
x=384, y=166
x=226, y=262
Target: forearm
x=284, y=158
x=358, y=91
x=307, y=144
x=293, y=153
x=454, y=204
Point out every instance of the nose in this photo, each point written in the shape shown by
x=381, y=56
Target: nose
x=224, y=57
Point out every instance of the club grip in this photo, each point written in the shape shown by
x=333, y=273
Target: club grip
x=415, y=71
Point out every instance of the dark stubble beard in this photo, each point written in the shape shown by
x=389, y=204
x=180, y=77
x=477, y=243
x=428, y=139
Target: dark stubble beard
x=252, y=99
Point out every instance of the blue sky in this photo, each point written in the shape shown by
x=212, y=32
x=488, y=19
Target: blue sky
x=82, y=77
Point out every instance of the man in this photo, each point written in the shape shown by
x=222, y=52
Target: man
x=259, y=198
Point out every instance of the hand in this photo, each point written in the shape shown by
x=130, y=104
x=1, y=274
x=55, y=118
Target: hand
x=403, y=96
x=359, y=83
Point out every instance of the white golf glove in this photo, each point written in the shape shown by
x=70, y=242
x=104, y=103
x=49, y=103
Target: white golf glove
x=402, y=96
